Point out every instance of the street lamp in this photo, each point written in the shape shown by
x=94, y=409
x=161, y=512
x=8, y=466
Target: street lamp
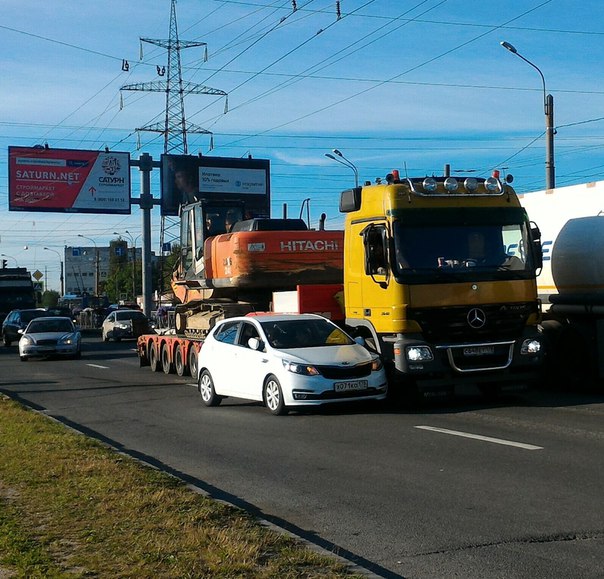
x=61, y=262
x=548, y=106
x=16, y=262
x=96, y=252
x=346, y=162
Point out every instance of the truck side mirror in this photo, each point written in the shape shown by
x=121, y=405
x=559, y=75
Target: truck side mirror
x=536, y=244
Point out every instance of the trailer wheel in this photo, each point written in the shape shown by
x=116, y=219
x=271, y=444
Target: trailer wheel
x=179, y=363
x=154, y=357
x=165, y=359
x=193, y=362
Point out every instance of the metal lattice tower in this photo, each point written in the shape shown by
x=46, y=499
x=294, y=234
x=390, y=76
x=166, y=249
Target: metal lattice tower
x=175, y=126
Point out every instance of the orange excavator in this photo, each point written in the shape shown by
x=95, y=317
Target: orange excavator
x=231, y=264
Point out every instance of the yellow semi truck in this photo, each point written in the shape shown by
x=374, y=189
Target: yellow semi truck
x=440, y=279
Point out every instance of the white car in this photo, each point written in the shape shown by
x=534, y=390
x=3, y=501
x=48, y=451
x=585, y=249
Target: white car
x=50, y=336
x=286, y=361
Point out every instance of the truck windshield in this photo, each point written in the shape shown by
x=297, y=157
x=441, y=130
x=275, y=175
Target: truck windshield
x=470, y=248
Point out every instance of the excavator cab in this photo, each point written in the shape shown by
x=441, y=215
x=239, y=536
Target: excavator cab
x=200, y=221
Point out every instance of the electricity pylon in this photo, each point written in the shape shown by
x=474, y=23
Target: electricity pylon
x=175, y=126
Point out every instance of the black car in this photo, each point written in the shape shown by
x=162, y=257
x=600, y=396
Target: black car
x=18, y=320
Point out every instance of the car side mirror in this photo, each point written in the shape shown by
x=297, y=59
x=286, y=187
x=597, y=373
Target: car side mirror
x=360, y=341
x=20, y=331
x=255, y=344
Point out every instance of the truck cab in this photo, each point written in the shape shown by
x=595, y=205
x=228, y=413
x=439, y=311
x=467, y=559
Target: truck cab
x=440, y=278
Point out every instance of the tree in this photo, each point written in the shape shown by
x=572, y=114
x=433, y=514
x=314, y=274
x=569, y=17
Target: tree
x=50, y=299
x=119, y=278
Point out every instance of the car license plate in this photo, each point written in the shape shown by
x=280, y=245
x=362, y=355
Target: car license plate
x=479, y=351
x=348, y=386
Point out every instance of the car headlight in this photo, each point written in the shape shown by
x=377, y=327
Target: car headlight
x=376, y=364
x=67, y=340
x=419, y=353
x=122, y=326
x=303, y=369
x=530, y=346
x=26, y=340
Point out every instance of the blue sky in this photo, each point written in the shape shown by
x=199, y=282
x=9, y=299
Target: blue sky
x=392, y=84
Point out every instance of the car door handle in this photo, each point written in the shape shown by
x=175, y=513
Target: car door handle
x=264, y=360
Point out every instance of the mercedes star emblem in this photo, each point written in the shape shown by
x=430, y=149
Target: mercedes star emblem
x=476, y=318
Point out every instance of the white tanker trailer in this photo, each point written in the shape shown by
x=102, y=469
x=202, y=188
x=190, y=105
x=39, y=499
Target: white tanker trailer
x=571, y=285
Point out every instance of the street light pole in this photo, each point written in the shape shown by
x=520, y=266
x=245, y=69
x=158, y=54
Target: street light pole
x=346, y=162
x=96, y=274
x=548, y=107
x=61, y=263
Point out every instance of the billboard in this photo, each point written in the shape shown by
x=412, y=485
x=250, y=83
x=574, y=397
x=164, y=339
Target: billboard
x=68, y=180
x=186, y=179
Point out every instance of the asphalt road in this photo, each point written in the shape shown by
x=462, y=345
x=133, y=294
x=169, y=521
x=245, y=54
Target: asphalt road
x=468, y=489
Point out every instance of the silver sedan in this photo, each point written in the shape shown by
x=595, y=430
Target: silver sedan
x=50, y=336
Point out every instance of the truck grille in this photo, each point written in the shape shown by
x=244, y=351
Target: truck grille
x=449, y=325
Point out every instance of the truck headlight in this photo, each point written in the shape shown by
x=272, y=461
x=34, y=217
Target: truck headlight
x=419, y=353
x=530, y=346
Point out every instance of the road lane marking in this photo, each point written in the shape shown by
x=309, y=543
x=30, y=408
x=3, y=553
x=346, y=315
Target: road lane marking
x=97, y=366
x=522, y=445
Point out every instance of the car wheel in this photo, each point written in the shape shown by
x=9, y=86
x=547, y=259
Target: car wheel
x=206, y=389
x=154, y=358
x=179, y=363
x=193, y=362
x=24, y=358
x=77, y=355
x=273, y=396
x=165, y=359
x=6, y=341
x=105, y=337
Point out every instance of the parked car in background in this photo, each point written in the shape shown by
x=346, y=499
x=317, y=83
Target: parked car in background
x=286, y=361
x=122, y=324
x=50, y=336
x=17, y=320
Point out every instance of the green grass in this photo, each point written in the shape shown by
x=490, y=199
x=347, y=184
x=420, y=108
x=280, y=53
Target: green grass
x=70, y=507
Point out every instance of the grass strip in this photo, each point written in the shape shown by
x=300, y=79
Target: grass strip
x=71, y=507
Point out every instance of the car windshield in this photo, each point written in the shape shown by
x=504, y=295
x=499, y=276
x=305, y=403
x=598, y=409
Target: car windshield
x=40, y=326
x=306, y=333
x=129, y=316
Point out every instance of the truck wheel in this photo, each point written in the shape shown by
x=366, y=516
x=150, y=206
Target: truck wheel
x=179, y=363
x=193, y=362
x=165, y=359
x=154, y=358
x=273, y=396
x=206, y=389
